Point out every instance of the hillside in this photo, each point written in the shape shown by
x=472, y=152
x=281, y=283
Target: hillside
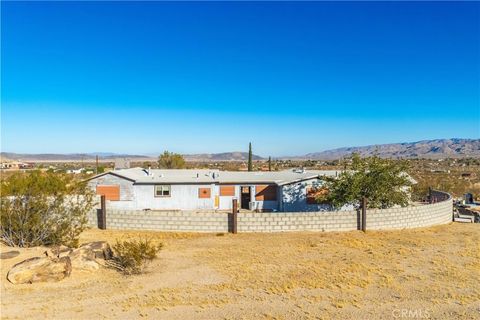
x=65, y=157
x=225, y=156
x=433, y=149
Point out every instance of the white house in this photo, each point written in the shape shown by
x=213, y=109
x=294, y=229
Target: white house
x=138, y=189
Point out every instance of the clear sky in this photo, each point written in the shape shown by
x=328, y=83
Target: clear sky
x=198, y=77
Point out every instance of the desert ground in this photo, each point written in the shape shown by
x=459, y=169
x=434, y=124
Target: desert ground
x=424, y=273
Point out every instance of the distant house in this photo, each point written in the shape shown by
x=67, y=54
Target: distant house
x=15, y=165
x=137, y=188
x=75, y=171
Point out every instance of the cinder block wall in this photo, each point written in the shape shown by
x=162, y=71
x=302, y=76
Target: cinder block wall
x=411, y=217
x=297, y=221
x=185, y=221
x=190, y=221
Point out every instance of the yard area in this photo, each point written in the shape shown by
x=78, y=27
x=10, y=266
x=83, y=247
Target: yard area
x=432, y=272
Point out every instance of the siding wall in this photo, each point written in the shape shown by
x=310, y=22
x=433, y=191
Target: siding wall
x=225, y=202
x=126, y=186
x=294, y=198
x=182, y=196
x=385, y=219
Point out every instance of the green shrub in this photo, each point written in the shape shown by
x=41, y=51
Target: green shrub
x=43, y=209
x=131, y=256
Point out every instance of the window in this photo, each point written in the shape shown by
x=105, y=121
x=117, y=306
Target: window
x=204, y=193
x=266, y=193
x=162, y=190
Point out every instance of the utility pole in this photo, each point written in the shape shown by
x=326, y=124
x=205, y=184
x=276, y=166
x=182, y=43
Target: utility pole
x=96, y=164
x=250, y=165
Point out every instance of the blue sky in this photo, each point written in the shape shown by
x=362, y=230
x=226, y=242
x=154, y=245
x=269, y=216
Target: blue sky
x=198, y=77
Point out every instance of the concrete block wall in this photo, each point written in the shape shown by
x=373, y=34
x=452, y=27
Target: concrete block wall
x=411, y=217
x=206, y=221
x=297, y=221
x=180, y=221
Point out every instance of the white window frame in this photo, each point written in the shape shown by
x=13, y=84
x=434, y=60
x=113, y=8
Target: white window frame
x=163, y=188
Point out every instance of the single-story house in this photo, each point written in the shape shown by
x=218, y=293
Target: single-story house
x=158, y=189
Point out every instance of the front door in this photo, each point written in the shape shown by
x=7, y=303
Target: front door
x=245, y=197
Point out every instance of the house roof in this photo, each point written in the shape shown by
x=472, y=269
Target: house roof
x=172, y=176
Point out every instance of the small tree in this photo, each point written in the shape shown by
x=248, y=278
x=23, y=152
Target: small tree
x=43, y=209
x=384, y=182
x=269, y=163
x=250, y=164
x=170, y=160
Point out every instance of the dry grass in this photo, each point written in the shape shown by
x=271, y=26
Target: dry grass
x=274, y=276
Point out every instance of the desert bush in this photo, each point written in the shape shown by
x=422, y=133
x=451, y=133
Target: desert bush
x=131, y=256
x=43, y=209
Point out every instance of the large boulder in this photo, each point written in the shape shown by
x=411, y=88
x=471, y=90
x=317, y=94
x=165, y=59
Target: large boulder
x=38, y=269
x=101, y=249
x=83, y=258
x=58, y=251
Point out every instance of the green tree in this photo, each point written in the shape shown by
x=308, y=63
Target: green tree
x=43, y=209
x=383, y=182
x=170, y=160
x=250, y=164
x=269, y=163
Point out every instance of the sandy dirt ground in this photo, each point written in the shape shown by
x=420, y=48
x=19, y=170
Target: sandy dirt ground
x=429, y=273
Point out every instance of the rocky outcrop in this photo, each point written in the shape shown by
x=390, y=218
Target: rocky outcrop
x=101, y=249
x=59, y=262
x=83, y=258
x=39, y=269
x=58, y=252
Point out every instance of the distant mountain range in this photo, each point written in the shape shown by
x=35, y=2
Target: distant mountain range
x=431, y=149
x=66, y=157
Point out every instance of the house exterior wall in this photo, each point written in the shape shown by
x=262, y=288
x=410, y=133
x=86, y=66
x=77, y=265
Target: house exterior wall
x=225, y=202
x=294, y=198
x=126, y=186
x=182, y=197
x=290, y=198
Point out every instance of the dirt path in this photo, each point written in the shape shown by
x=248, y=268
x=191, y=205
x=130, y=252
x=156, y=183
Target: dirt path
x=432, y=273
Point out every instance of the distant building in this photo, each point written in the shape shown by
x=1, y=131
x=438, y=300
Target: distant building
x=15, y=165
x=75, y=171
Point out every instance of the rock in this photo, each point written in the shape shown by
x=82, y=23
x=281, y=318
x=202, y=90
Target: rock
x=38, y=269
x=83, y=258
x=9, y=254
x=58, y=251
x=101, y=249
